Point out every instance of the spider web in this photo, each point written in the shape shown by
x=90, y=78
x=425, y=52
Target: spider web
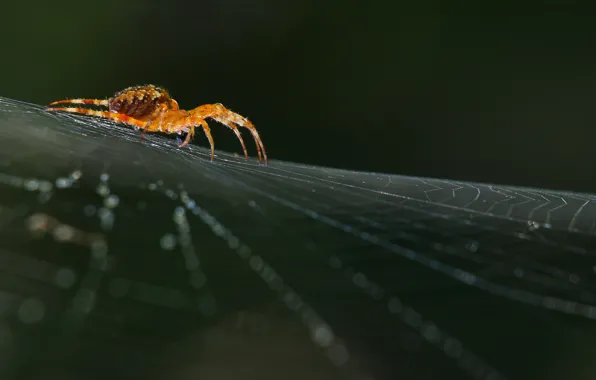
x=142, y=260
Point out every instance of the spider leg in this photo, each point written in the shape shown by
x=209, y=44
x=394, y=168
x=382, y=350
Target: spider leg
x=234, y=128
x=143, y=133
x=103, y=114
x=219, y=112
x=97, y=102
x=190, y=123
x=207, y=131
x=189, y=135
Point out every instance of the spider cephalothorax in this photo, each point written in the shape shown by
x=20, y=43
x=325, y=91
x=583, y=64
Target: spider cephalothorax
x=152, y=109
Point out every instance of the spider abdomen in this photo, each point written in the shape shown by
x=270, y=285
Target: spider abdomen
x=140, y=101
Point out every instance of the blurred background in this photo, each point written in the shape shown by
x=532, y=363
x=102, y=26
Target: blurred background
x=500, y=93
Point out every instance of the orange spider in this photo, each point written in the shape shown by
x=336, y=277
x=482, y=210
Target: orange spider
x=152, y=109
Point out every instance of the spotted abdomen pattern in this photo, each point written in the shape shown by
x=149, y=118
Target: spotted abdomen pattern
x=141, y=102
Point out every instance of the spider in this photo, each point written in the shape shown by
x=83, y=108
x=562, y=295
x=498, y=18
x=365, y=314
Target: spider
x=152, y=109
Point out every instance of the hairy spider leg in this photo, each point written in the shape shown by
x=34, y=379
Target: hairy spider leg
x=228, y=117
x=234, y=128
x=104, y=114
x=190, y=123
x=97, y=102
x=219, y=113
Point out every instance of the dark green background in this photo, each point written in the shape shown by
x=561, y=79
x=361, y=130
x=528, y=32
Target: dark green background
x=492, y=92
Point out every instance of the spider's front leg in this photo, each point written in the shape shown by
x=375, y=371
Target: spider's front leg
x=189, y=123
x=231, y=119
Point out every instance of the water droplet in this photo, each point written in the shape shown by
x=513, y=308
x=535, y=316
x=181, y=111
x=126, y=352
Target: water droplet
x=99, y=249
x=170, y=194
x=431, y=333
x=233, y=242
x=32, y=185
x=453, y=348
x=338, y=354
x=76, y=175
x=64, y=233
x=179, y=215
x=37, y=222
x=245, y=252
x=32, y=310
x=106, y=217
x=111, y=201
x=103, y=190
x=395, y=305
x=256, y=263
x=323, y=336
x=168, y=242
x=62, y=183
x=65, y=278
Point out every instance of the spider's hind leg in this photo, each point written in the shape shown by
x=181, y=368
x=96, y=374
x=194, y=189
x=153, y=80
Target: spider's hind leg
x=118, y=117
x=97, y=102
